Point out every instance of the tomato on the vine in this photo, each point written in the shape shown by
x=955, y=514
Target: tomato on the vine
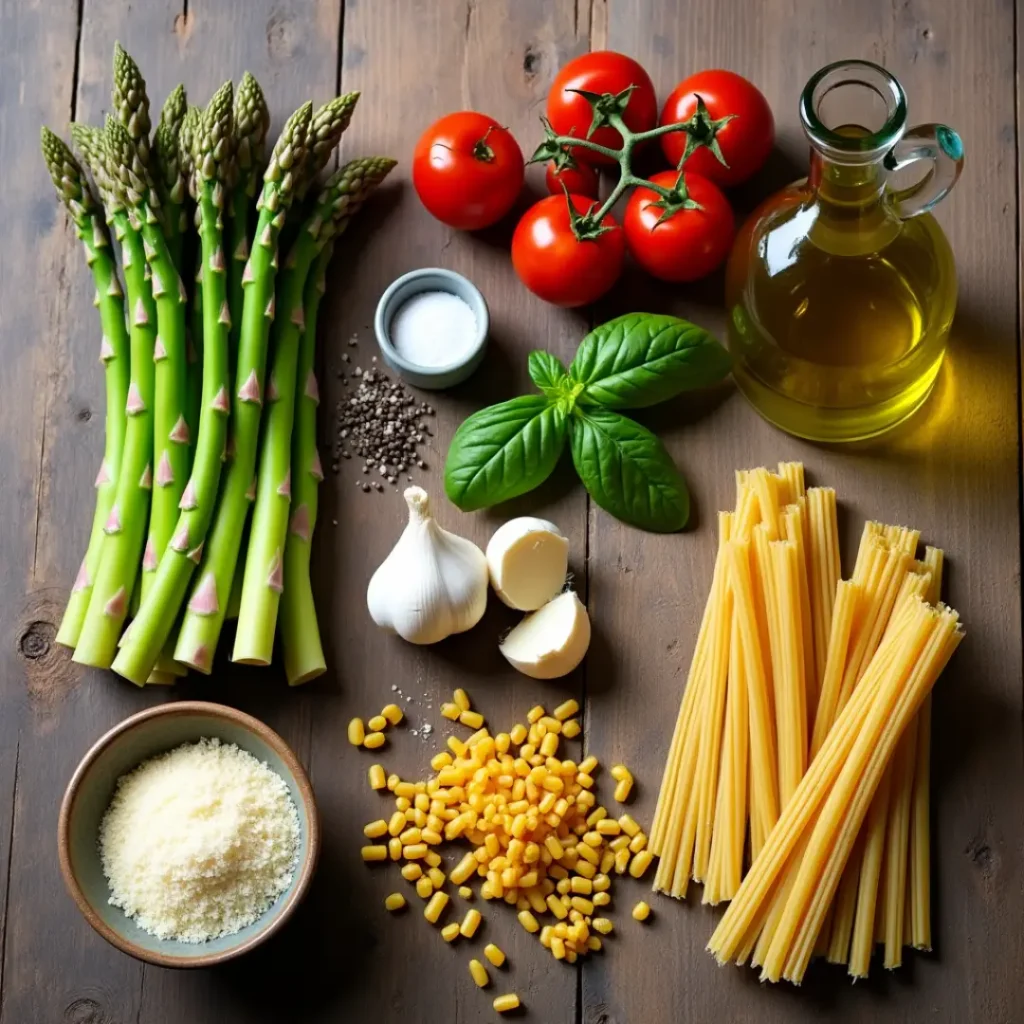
x=467, y=170
x=580, y=180
x=556, y=265
x=735, y=119
x=600, y=72
x=693, y=238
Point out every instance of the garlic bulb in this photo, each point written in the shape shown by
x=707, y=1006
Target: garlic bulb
x=432, y=584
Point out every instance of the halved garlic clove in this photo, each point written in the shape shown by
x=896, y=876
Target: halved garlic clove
x=551, y=641
x=527, y=558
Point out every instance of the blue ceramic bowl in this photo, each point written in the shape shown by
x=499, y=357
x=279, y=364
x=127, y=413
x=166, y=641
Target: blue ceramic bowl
x=431, y=279
x=89, y=793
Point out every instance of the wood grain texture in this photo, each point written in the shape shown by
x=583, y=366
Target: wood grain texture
x=952, y=472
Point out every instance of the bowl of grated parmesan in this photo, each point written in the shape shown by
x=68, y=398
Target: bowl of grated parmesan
x=188, y=834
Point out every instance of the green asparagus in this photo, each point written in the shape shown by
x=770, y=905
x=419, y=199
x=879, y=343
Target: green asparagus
x=194, y=374
x=170, y=178
x=125, y=526
x=131, y=103
x=151, y=628
x=204, y=617
x=300, y=634
x=74, y=192
x=339, y=201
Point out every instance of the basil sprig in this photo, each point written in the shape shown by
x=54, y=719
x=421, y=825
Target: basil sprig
x=630, y=362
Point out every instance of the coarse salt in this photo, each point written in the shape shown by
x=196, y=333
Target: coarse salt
x=198, y=842
x=434, y=329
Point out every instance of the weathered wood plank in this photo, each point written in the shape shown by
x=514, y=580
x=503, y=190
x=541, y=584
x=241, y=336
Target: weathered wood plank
x=414, y=63
x=953, y=472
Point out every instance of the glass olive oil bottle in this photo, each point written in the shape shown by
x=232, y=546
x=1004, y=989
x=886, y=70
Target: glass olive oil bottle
x=841, y=288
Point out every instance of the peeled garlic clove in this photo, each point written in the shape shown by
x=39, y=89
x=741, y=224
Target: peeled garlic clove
x=527, y=559
x=551, y=641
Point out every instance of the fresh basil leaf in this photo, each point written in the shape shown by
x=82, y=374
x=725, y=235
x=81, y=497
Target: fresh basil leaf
x=503, y=451
x=627, y=471
x=641, y=359
x=546, y=371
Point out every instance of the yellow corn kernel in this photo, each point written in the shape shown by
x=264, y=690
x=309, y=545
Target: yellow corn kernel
x=528, y=921
x=546, y=936
x=507, y=1002
x=375, y=829
x=450, y=711
x=550, y=724
x=536, y=899
x=432, y=859
x=588, y=853
x=395, y=901
x=393, y=713
x=528, y=879
x=374, y=853
x=377, y=777
x=461, y=699
x=403, y=804
x=436, y=876
x=593, y=839
x=602, y=882
x=582, y=904
x=586, y=800
x=431, y=837
x=564, y=886
x=415, y=851
x=585, y=868
x=608, y=827
x=602, y=925
x=619, y=843
x=411, y=872
x=517, y=733
x=457, y=747
x=395, y=848
x=502, y=742
x=472, y=719
x=470, y=923
x=556, y=907
x=374, y=740
x=622, y=790
x=495, y=955
x=601, y=899
x=405, y=789
x=356, y=732
x=566, y=710
x=619, y=772
x=554, y=847
x=377, y=724
x=571, y=729
x=535, y=714
x=422, y=802
x=424, y=887
x=582, y=886
x=588, y=765
x=526, y=751
x=584, y=780
x=607, y=862
x=450, y=932
x=641, y=911
x=465, y=892
x=410, y=836
x=435, y=906
x=393, y=780
x=629, y=826
x=442, y=759
x=560, y=930
x=638, y=842
x=557, y=948
x=594, y=944
x=492, y=845
x=640, y=863
x=478, y=973
x=549, y=745
x=621, y=861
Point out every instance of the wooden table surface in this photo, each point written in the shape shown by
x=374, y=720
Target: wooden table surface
x=954, y=472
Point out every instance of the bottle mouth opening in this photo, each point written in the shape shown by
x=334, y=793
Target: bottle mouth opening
x=853, y=110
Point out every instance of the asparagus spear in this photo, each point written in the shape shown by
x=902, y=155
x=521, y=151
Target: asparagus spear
x=169, y=173
x=252, y=122
x=131, y=103
x=326, y=128
x=73, y=190
x=194, y=373
x=151, y=628
x=136, y=191
x=339, y=201
x=125, y=526
x=204, y=617
x=300, y=634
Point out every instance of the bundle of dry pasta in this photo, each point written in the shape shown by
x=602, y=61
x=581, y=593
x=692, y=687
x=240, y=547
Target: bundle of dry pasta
x=742, y=739
x=785, y=650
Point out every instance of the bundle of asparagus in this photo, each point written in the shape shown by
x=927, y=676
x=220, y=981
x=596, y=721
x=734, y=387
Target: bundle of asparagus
x=188, y=450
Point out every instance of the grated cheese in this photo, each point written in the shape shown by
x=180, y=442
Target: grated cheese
x=198, y=842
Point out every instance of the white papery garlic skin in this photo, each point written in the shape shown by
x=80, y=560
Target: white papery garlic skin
x=551, y=641
x=528, y=559
x=432, y=584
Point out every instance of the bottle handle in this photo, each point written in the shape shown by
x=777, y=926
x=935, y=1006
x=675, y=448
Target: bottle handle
x=939, y=145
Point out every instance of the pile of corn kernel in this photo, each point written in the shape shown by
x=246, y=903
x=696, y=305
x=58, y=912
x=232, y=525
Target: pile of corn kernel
x=540, y=841
x=371, y=734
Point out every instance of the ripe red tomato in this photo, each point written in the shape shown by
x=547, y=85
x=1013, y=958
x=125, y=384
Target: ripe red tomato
x=467, y=170
x=745, y=141
x=686, y=245
x=580, y=180
x=554, y=264
x=600, y=72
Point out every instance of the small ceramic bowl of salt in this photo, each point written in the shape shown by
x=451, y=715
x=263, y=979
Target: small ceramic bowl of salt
x=431, y=325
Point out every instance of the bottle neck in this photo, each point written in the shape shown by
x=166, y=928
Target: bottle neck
x=854, y=187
